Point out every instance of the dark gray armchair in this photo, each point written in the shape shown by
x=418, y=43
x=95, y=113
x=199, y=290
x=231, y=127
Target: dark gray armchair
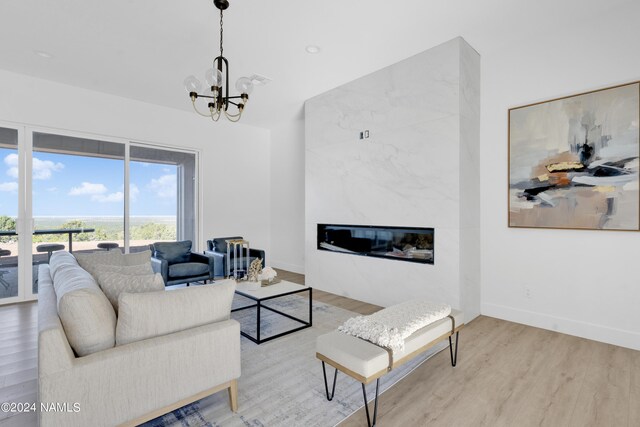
x=177, y=264
x=217, y=250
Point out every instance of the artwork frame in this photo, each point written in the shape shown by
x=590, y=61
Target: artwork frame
x=573, y=161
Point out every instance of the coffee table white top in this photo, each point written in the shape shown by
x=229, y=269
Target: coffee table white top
x=280, y=288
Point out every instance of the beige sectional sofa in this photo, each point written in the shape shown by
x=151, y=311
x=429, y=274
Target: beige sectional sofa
x=165, y=349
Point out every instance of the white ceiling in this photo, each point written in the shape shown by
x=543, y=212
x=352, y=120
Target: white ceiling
x=143, y=49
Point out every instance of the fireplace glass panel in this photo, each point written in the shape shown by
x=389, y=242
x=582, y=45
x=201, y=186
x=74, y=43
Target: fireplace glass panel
x=401, y=243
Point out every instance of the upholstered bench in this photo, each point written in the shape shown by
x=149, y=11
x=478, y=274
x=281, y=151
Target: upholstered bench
x=365, y=361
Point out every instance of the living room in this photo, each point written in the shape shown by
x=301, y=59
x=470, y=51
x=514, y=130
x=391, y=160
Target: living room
x=379, y=118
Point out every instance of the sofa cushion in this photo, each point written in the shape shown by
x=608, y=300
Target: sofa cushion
x=59, y=260
x=151, y=314
x=137, y=258
x=113, y=283
x=87, y=317
x=173, y=252
x=188, y=269
x=134, y=270
x=90, y=261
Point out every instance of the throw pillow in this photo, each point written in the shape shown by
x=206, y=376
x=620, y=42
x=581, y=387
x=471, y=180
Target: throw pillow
x=87, y=317
x=114, y=283
x=152, y=314
x=133, y=270
x=173, y=252
x=137, y=258
x=90, y=261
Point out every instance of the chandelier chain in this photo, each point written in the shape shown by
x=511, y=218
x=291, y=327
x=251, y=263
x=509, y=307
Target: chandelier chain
x=221, y=50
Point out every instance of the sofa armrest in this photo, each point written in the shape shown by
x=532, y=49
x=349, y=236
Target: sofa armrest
x=161, y=266
x=141, y=377
x=219, y=263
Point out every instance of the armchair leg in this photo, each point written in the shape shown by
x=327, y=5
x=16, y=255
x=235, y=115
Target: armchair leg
x=233, y=395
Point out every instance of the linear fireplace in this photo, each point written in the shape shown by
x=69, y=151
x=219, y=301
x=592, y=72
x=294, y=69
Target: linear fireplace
x=401, y=243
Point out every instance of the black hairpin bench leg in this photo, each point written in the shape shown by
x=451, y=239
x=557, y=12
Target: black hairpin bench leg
x=326, y=386
x=375, y=404
x=454, y=354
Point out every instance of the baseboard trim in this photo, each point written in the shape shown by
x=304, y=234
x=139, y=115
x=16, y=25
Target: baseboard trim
x=592, y=331
x=289, y=267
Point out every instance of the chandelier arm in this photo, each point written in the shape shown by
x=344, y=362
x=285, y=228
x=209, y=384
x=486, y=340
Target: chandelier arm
x=198, y=111
x=232, y=116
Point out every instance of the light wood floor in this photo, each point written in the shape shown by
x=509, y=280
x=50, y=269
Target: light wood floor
x=18, y=360
x=507, y=375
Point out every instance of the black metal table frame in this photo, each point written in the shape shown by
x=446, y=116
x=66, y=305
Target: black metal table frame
x=69, y=231
x=259, y=304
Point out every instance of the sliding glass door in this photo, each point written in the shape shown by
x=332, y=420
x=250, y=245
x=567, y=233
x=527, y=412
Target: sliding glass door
x=78, y=195
x=163, y=196
x=75, y=192
x=9, y=211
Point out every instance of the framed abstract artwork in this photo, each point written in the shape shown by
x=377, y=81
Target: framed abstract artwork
x=573, y=161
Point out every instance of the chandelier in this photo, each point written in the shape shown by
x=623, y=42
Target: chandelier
x=217, y=80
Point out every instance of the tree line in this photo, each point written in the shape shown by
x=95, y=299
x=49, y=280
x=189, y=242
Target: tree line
x=148, y=231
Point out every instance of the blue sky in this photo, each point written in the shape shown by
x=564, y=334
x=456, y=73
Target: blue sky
x=77, y=186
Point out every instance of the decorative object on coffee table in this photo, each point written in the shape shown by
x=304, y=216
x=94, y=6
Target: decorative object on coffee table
x=255, y=270
x=267, y=276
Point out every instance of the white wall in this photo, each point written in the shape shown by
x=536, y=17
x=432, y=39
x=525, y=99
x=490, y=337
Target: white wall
x=408, y=173
x=584, y=283
x=287, y=197
x=234, y=157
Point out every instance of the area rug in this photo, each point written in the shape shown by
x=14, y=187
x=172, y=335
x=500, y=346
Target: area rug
x=281, y=382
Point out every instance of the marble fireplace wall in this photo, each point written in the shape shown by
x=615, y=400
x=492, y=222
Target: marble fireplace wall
x=418, y=168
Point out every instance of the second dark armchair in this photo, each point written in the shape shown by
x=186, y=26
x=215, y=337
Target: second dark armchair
x=177, y=264
x=217, y=250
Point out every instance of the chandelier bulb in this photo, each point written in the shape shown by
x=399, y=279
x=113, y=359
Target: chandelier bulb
x=244, y=85
x=213, y=77
x=191, y=85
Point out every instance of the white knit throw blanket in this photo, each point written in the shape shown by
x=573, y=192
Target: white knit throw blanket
x=391, y=326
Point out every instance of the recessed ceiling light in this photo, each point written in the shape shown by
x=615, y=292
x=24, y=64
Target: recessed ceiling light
x=43, y=54
x=312, y=49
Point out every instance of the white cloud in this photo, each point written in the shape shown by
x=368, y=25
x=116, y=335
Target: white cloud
x=99, y=193
x=88, y=189
x=9, y=186
x=12, y=161
x=52, y=189
x=118, y=196
x=42, y=169
x=134, y=191
x=166, y=186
